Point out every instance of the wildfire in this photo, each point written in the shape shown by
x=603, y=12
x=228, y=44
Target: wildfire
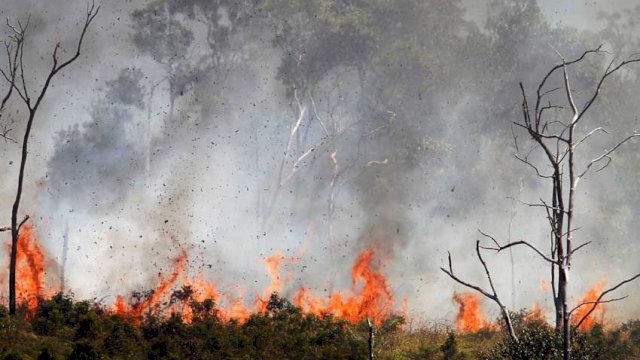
x=597, y=316
x=470, y=317
x=149, y=303
x=30, y=268
x=31, y=263
x=369, y=297
x=537, y=314
x=274, y=264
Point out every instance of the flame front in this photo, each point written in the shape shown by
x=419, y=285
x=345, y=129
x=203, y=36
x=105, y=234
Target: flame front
x=31, y=263
x=369, y=297
x=470, y=318
x=537, y=314
x=597, y=316
x=29, y=269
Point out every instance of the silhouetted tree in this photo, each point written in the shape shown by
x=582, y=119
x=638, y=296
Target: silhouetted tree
x=557, y=142
x=15, y=77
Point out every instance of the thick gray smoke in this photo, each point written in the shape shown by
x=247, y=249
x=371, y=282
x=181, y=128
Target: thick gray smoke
x=178, y=129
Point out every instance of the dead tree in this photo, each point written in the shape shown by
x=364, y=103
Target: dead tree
x=15, y=76
x=372, y=338
x=558, y=141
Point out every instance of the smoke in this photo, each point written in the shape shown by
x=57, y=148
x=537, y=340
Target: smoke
x=170, y=141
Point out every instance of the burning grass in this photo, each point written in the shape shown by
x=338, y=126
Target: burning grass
x=369, y=297
x=187, y=313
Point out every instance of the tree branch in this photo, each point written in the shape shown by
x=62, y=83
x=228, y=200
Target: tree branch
x=494, y=296
x=606, y=155
x=589, y=135
x=26, y=218
x=598, y=300
x=500, y=248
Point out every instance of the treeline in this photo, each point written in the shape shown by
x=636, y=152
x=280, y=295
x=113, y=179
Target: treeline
x=61, y=328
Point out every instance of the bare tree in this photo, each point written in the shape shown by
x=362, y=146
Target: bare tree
x=557, y=141
x=15, y=76
x=345, y=167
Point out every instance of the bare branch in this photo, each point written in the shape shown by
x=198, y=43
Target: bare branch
x=603, y=294
x=493, y=296
x=462, y=282
x=26, y=218
x=315, y=112
x=377, y=162
x=11, y=80
x=567, y=88
x=92, y=12
x=549, y=91
x=607, y=72
x=296, y=164
x=589, y=135
x=23, y=31
x=526, y=161
x=595, y=303
x=542, y=205
x=578, y=248
x=499, y=248
x=490, y=237
x=555, y=68
x=606, y=155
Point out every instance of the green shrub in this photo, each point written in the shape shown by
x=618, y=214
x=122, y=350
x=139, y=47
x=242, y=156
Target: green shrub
x=450, y=347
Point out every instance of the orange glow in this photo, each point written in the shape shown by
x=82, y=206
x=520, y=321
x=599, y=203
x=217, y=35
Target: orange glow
x=537, y=314
x=31, y=263
x=470, y=318
x=30, y=268
x=597, y=316
x=369, y=297
x=273, y=264
x=544, y=286
x=150, y=303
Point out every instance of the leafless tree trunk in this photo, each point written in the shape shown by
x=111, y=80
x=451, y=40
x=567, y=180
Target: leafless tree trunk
x=15, y=76
x=557, y=141
x=372, y=339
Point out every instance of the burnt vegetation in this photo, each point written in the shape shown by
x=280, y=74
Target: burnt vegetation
x=63, y=328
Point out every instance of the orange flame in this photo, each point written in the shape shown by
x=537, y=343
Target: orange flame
x=537, y=314
x=470, y=318
x=369, y=297
x=151, y=302
x=273, y=263
x=31, y=263
x=373, y=300
x=597, y=316
x=30, y=268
